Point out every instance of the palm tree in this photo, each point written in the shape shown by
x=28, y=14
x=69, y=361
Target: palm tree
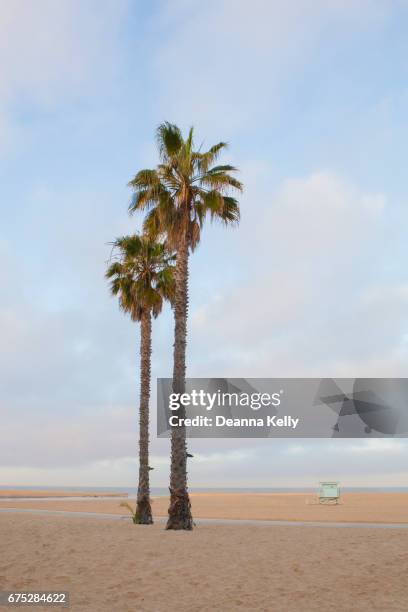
x=178, y=195
x=143, y=277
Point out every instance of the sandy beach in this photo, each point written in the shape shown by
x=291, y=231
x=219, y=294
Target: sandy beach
x=354, y=507
x=115, y=566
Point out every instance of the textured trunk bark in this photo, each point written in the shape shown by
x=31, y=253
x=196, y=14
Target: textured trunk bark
x=143, y=508
x=180, y=507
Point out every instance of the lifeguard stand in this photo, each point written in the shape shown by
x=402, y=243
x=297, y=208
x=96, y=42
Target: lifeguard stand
x=329, y=492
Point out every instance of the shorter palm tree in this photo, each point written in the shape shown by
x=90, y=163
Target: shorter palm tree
x=142, y=276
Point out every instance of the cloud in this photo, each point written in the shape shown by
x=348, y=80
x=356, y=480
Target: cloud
x=309, y=285
x=379, y=446
x=315, y=300
x=69, y=358
x=266, y=464
x=283, y=463
x=53, y=53
x=234, y=456
x=244, y=53
x=296, y=449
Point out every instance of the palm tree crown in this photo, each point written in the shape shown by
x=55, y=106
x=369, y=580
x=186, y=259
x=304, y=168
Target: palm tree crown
x=184, y=188
x=142, y=276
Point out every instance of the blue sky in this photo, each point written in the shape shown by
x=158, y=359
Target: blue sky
x=312, y=97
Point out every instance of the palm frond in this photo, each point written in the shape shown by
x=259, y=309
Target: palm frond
x=213, y=201
x=169, y=140
x=203, y=161
x=143, y=277
x=220, y=180
x=230, y=212
x=133, y=512
x=189, y=141
x=225, y=168
x=184, y=188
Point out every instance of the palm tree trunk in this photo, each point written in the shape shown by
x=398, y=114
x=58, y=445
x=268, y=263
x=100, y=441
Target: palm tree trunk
x=143, y=508
x=180, y=507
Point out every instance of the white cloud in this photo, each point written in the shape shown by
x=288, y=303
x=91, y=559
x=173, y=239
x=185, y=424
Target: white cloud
x=296, y=449
x=234, y=456
x=303, y=290
x=54, y=52
x=380, y=445
x=236, y=56
x=313, y=300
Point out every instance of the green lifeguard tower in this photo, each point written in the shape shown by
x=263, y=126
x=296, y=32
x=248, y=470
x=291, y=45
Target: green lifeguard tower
x=329, y=492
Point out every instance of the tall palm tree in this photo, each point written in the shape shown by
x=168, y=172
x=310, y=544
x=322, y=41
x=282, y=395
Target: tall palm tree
x=178, y=195
x=143, y=277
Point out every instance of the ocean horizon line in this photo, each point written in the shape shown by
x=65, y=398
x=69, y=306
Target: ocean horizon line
x=164, y=490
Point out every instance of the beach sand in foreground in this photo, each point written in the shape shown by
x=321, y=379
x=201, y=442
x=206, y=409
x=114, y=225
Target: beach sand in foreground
x=355, y=507
x=115, y=566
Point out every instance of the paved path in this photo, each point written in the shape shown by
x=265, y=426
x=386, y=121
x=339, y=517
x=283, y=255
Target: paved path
x=210, y=521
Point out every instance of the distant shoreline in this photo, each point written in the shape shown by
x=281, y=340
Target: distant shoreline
x=39, y=494
x=43, y=492
x=125, y=491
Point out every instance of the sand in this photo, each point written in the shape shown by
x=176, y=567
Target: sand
x=115, y=566
x=355, y=507
x=16, y=493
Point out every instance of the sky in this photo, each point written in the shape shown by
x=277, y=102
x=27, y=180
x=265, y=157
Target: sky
x=312, y=98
